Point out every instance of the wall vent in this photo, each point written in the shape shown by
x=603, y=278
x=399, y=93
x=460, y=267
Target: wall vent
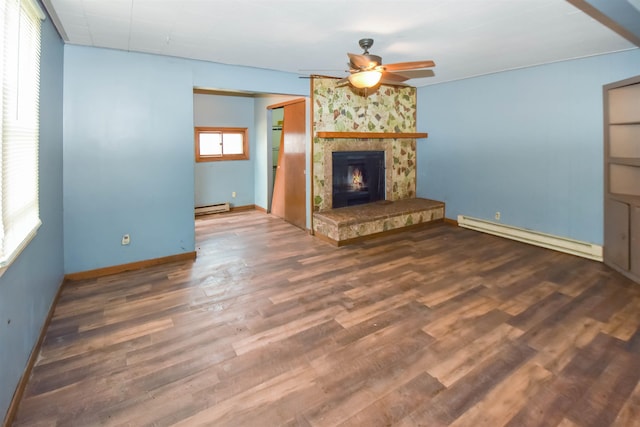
x=549, y=241
x=206, y=210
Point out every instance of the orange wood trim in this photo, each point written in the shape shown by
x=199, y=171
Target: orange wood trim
x=285, y=103
x=326, y=239
x=451, y=221
x=242, y=208
x=294, y=138
x=372, y=135
x=261, y=209
x=234, y=209
x=105, y=271
x=245, y=144
x=22, y=384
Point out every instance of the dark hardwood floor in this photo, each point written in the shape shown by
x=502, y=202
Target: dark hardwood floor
x=272, y=327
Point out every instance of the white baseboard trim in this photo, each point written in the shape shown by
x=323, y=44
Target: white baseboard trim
x=549, y=241
x=205, y=210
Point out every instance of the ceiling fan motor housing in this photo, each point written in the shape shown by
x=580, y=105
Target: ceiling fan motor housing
x=373, y=60
x=365, y=44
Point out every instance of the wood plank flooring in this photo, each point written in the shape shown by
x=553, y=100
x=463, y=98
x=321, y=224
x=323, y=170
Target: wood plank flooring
x=271, y=327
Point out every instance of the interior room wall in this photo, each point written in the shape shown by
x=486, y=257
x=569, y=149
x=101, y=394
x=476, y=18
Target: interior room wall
x=526, y=143
x=128, y=157
x=129, y=151
x=216, y=181
x=29, y=285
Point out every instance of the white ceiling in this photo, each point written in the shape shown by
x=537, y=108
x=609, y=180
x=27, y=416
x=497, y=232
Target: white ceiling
x=464, y=37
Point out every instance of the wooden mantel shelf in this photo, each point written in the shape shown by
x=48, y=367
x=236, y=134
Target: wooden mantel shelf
x=372, y=135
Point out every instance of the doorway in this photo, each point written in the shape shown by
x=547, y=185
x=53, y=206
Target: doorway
x=289, y=189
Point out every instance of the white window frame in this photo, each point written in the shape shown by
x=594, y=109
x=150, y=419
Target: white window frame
x=20, y=38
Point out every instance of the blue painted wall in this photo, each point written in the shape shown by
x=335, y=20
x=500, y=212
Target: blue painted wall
x=129, y=152
x=527, y=143
x=212, y=183
x=29, y=285
x=128, y=157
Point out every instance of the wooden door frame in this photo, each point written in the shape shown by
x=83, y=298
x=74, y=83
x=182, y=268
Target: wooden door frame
x=306, y=124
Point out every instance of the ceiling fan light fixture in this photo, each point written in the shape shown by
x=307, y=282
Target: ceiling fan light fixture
x=365, y=79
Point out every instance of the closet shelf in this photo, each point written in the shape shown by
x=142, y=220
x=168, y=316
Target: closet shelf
x=372, y=135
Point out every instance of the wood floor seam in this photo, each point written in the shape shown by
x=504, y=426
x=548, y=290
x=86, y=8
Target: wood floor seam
x=438, y=326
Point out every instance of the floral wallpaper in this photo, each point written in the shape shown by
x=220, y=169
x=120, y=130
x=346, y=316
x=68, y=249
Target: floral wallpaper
x=343, y=109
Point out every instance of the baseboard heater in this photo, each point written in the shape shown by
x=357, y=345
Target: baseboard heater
x=220, y=207
x=549, y=241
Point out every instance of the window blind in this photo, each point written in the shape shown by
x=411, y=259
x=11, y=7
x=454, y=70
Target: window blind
x=20, y=73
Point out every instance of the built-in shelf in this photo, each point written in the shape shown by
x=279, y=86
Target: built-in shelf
x=372, y=135
x=622, y=177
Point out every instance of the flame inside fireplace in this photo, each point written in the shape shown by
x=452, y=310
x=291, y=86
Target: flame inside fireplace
x=356, y=178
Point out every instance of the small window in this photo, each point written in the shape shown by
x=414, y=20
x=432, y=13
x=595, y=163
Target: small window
x=213, y=144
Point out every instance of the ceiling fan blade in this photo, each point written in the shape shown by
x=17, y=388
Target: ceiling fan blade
x=315, y=70
x=363, y=62
x=359, y=61
x=394, y=77
x=414, y=74
x=342, y=81
x=384, y=81
x=321, y=76
x=401, y=66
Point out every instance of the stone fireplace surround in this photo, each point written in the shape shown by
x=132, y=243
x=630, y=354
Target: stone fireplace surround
x=400, y=172
x=352, y=224
x=357, y=145
x=400, y=209
x=382, y=120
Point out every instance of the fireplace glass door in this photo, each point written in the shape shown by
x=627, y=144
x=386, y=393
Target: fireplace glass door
x=358, y=177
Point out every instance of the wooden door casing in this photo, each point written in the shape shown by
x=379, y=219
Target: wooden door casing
x=294, y=138
x=289, y=190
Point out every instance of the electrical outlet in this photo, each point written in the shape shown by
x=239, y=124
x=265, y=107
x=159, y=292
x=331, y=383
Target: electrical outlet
x=126, y=239
x=233, y=194
x=497, y=216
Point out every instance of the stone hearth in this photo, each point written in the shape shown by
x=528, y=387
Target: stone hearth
x=354, y=223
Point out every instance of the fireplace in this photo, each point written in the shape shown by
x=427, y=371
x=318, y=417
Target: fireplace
x=358, y=177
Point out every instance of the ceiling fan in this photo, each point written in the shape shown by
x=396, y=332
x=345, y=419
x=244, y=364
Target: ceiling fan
x=367, y=70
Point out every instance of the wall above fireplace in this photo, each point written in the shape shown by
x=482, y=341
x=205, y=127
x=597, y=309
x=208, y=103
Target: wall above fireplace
x=387, y=110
